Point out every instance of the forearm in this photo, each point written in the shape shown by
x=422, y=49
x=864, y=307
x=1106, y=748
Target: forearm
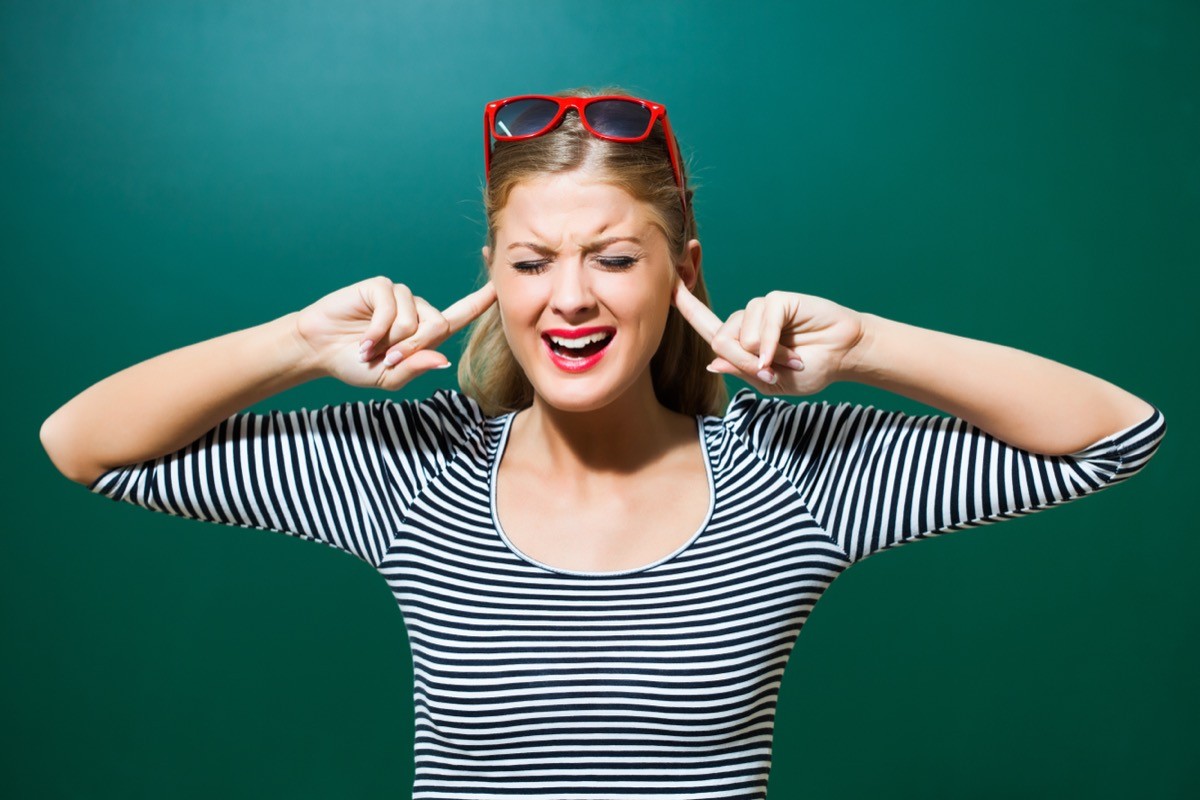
x=1020, y=398
x=166, y=402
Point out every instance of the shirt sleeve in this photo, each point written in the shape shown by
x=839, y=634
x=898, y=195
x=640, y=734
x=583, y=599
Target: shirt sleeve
x=343, y=475
x=877, y=479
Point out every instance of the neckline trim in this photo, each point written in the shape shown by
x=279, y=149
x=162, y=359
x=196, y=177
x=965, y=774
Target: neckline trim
x=494, y=470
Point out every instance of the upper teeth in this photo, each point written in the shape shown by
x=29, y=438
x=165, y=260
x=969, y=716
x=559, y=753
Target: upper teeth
x=582, y=341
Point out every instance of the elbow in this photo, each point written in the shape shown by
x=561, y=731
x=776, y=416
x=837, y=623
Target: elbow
x=51, y=437
x=1141, y=411
x=1146, y=425
x=56, y=441
x=1139, y=442
x=1156, y=429
x=1137, y=425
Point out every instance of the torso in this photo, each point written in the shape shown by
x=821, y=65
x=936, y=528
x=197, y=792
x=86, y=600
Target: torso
x=608, y=522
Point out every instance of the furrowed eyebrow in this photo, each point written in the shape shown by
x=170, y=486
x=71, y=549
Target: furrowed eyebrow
x=596, y=245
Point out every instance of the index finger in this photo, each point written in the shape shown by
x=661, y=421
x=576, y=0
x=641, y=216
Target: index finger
x=461, y=312
x=698, y=315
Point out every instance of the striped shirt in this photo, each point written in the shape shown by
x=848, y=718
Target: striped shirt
x=536, y=681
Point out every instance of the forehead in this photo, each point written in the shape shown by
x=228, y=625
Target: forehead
x=568, y=206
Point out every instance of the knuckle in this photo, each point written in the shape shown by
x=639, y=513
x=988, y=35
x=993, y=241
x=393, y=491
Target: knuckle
x=439, y=326
x=428, y=333
x=725, y=341
x=403, y=328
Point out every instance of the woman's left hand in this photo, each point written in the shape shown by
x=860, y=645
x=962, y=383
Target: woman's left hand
x=801, y=341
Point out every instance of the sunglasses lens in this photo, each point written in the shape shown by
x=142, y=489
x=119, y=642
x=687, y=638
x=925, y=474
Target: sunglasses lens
x=619, y=118
x=524, y=117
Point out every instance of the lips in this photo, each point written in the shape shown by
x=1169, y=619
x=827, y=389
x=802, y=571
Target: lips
x=577, y=349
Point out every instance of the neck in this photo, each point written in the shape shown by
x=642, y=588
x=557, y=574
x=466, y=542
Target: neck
x=628, y=433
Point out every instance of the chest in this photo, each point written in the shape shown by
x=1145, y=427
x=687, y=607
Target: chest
x=604, y=525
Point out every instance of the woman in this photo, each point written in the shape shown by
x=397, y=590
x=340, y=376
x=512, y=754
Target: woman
x=602, y=564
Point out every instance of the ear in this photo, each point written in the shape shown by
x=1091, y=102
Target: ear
x=688, y=269
x=487, y=257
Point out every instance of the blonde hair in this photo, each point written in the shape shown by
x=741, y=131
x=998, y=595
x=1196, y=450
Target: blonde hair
x=488, y=372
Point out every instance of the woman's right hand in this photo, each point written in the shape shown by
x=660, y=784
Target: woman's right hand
x=376, y=333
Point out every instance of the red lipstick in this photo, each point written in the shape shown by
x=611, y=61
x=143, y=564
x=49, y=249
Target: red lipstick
x=587, y=356
x=575, y=333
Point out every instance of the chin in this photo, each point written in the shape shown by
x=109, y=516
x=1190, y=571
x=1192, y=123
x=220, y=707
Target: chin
x=577, y=398
x=582, y=393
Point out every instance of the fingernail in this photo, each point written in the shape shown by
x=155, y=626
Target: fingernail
x=766, y=376
x=713, y=369
x=366, y=345
x=796, y=364
x=392, y=358
x=443, y=366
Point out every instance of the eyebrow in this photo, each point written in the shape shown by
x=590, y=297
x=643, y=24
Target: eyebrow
x=596, y=245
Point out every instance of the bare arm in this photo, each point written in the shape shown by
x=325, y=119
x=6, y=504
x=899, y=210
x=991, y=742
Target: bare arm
x=166, y=402
x=1024, y=399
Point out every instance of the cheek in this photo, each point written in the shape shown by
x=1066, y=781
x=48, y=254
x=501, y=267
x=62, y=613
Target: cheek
x=509, y=305
x=516, y=305
x=645, y=303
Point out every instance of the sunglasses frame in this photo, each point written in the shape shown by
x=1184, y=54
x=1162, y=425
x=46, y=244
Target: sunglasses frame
x=657, y=112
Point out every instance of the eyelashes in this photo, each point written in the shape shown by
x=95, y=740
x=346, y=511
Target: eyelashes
x=616, y=263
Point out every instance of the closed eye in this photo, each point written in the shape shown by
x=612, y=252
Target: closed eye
x=531, y=267
x=621, y=262
x=608, y=262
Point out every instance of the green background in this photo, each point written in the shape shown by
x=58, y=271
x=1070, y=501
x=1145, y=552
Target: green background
x=1022, y=172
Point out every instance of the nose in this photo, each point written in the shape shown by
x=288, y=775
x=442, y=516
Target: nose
x=571, y=292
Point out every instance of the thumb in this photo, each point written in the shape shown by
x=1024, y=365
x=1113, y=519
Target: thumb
x=723, y=367
x=413, y=367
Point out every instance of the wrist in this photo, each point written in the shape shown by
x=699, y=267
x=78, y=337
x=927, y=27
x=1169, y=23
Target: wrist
x=856, y=363
x=300, y=360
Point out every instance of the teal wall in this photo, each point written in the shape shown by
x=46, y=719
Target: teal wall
x=1022, y=172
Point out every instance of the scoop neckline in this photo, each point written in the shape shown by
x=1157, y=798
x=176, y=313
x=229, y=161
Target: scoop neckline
x=494, y=470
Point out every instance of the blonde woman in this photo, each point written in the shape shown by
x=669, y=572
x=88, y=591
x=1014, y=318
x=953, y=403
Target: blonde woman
x=603, y=563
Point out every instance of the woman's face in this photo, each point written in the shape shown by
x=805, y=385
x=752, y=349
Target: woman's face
x=579, y=262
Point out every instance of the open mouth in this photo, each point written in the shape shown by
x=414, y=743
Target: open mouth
x=581, y=347
x=578, y=350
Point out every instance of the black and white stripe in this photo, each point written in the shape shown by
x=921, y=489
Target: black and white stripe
x=532, y=681
x=877, y=479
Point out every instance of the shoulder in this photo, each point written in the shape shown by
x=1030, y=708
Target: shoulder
x=446, y=414
x=757, y=418
x=748, y=410
x=454, y=406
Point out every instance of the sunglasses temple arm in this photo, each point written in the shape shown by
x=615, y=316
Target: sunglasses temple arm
x=487, y=148
x=676, y=161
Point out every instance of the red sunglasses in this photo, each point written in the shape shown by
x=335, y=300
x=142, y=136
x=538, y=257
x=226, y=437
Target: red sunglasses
x=615, y=118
